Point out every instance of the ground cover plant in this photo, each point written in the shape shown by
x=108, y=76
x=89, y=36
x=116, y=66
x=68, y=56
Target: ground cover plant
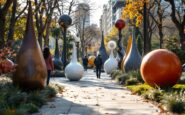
x=170, y=100
x=14, y=101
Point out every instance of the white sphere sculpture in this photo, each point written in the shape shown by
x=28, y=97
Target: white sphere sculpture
x=111, y=63
x=74, y=70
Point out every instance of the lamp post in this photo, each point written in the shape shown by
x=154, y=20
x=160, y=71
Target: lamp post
x=120, y=24
x=64, y=21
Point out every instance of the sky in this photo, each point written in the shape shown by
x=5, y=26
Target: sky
x=97, y=12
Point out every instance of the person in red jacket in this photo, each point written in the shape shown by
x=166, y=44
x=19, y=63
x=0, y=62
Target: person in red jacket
x=49, y=63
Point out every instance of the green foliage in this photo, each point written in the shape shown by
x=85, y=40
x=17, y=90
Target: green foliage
x=175, y=102
x=115, y=74
x=136, y=75
x=172, y=44
x=13, y=101
x=131, y=81
x=156, y=95
x=139, y=89
x=55, y=32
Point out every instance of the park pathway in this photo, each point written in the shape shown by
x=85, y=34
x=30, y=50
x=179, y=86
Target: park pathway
x=92, y=96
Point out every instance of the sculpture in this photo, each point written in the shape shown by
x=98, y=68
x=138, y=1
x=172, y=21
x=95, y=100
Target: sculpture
x=133, y=60
x=31, y=69
x=111, y=63
x=74, y=71
x=161, y=68
x=102, y=50
x=120, y=24
x=64, y=21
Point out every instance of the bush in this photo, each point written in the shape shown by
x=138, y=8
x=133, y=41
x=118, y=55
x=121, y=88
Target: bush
x=173, y=45
x=175, y=102
x=115, y=73
x=156, y=95
x=13, y=101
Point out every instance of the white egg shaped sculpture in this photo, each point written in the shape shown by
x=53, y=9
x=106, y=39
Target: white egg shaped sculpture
x=74, y=70
x=111, y=63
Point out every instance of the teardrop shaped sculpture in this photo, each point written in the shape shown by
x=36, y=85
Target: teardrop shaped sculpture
x=74, y=70
x=129, y=43
x=111, y=63
x=133, y=60
x=31, y=69
x=102, y=50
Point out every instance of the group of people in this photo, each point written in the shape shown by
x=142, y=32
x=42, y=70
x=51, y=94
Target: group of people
x=97, y=62
x=50, y=66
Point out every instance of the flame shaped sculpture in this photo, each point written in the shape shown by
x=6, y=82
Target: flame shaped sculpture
x=74, y=71
x=31, y=70
x=102, y=50
x=111, y=63
x=133, y=60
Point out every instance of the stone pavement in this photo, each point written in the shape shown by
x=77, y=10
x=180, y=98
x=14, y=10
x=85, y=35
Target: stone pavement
x=92, y=96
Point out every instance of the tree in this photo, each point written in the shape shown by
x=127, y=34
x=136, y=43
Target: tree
x=158, y=15
x=43, y=14
x=4, y=7
x=14, y=17
x=178, y=18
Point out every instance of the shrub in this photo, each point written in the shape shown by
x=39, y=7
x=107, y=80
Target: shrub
x=156, y=95
x=173, y=45
x=29, y=108
x=131, y=81
x=175, y=102
x=115, y=73
x=139, y=89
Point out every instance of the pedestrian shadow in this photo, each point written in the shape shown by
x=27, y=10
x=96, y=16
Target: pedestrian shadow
x=61, y=106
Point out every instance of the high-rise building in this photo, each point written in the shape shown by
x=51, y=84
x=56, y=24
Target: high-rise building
x=112, y=11
x=82, y=15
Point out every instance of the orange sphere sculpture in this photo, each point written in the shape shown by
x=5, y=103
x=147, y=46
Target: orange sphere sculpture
x=91, y=61
x=161, y=68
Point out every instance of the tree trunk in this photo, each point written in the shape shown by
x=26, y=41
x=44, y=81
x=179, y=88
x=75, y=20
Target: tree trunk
x=40, y=34
x=12, y=21
x=2, y=29
x=147, y=40
x=182, y=37
x=161, y=36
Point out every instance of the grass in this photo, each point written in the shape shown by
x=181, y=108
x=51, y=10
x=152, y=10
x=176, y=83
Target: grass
x=172, y=99
x=13, y=101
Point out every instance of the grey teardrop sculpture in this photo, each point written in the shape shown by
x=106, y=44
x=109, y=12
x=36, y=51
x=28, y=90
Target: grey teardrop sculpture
x=102, y=50
x=133, y=60
x=31, y=69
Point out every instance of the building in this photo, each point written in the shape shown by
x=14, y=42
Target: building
x=82, y=15
x=112, y=11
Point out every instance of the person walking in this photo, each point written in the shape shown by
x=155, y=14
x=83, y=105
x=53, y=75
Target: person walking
x=85, y=62
x=98, y=63
x=49, y=63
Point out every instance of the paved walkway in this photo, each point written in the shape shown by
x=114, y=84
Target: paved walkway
x=92, y=96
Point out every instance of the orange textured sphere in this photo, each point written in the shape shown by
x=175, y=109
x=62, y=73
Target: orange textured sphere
x=91, y=61
x=161, y=68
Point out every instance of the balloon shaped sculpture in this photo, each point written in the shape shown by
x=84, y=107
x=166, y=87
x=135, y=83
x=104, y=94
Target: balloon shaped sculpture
x=133, y=59
x=31, y=69
x=91, y=61
x=74, y=71
x=111, y=63
x=161, y=68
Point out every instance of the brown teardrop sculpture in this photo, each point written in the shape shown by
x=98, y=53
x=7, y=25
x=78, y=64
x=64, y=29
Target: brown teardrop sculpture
x=31, y=69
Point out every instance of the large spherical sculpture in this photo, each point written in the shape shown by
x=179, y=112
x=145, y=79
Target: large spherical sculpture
x=74, y=71
x=91, y=61
x=31, y=69
x=161, y=68
x=111, y=63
